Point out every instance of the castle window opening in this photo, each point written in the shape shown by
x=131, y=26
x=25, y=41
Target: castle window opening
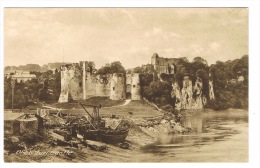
x=133, y=85
x=113, y=88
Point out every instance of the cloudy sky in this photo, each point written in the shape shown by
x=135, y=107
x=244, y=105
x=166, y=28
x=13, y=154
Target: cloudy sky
x=128, y=35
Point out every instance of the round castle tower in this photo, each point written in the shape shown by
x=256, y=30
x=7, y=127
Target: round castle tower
x=117, y=87
x=66, y=75
x=135, y=89
x=154, y=59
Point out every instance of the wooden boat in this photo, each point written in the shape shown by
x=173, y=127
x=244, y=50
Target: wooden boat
x=98, y=132
x=112, y=136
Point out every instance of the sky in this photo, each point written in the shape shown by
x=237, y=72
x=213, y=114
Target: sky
x=129, y=35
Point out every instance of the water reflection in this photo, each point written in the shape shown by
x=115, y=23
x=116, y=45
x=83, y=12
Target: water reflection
x=207, y=128
x=193, y=122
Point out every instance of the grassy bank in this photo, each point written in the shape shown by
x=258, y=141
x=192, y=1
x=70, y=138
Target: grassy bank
x=104, y=101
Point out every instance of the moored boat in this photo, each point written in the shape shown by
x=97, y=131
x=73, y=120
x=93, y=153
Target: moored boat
x=98, y=132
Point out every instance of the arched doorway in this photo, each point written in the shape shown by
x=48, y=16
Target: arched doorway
x=128, y=95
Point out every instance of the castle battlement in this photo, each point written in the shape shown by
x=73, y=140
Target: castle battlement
x=80, y=83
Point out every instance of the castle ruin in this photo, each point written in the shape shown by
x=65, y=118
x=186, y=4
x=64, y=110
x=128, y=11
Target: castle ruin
x=163, y=65
x=189, y=96
x=78, y=82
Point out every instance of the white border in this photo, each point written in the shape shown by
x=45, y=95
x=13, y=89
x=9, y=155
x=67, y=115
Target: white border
x=254, y=69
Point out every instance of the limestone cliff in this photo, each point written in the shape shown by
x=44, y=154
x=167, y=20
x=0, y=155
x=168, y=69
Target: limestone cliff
x=186, y=93
x=211, y=90
x=197, y=95
x=176, y=93
x=189, y=97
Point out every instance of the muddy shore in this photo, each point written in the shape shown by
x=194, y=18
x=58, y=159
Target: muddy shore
x=143, y=131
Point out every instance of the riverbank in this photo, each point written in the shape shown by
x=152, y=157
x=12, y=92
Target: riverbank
x=145, y=124
x=140, y=135
x=221, y=140
x=204, y=136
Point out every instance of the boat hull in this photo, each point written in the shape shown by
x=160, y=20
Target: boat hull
x=111, y=137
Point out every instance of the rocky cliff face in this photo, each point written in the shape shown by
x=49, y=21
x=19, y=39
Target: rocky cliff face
x=186, y=94
x=211, y=90
x=189, y=97
x=197, y=95
x=176, y=93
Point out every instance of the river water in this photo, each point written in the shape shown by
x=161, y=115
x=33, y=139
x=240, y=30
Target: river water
x=216, y=137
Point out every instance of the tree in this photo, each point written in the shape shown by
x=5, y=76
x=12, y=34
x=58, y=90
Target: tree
x=114, y=67
x=138, y=70
x=179, y=78
x=230, y=94
x=167, y=77
x=57, y=86
x=148, y=68
x=200, y=60
x=30, y=67
x=159, y=92
x=7, y=93
x=43, y=92
x=19, y=99
x=203, y=75
x=145, y=80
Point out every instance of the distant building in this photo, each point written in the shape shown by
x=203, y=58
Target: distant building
x=164, y=65
x=8, y=73
x=19, y=75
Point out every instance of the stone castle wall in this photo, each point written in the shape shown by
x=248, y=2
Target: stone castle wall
x=97, y=85
x=70, y=82
x=135, y=89
x=117, y=87
x=78, y=83
x=163, y=65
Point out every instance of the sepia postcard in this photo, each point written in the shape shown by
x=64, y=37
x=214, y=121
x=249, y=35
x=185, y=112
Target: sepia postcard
x=124, y=85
